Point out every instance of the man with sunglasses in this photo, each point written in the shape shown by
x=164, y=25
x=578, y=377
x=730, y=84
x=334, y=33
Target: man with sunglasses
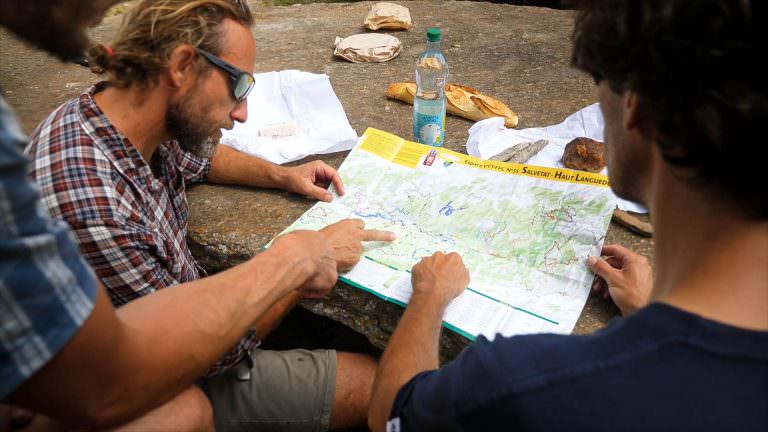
x=114, y=163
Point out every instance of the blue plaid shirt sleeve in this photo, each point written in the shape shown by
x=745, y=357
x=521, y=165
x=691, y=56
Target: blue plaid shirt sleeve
x=46, y=289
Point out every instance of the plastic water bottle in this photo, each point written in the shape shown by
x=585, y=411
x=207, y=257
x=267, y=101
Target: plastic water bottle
x=429, y=103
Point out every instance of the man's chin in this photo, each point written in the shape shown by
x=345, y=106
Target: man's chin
x=628, y=195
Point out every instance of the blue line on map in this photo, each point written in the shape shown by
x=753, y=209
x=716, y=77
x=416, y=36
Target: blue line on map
x=373, y=215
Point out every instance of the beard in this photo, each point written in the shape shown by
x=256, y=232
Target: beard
x=189, y=128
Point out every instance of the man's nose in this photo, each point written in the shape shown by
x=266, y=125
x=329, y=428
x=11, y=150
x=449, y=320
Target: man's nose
x=240, y=112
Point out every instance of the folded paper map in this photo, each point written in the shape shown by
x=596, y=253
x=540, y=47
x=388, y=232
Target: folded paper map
x=523, y=231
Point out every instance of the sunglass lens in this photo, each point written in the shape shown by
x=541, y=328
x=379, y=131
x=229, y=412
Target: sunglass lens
x=243, y=87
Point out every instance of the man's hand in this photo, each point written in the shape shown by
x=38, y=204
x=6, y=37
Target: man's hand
x=345, y=239
x=316, y=252
x=311, y=179
x=413, y=346
x=323, y=281
x=624, y=276
x=439, y=278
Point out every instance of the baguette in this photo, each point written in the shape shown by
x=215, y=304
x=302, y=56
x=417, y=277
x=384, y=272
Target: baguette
x=463, y=101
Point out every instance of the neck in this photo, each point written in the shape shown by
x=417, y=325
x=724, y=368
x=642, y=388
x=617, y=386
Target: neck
x=709, y=259
x=137, y=113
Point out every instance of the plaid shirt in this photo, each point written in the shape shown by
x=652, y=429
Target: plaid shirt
x=46, y=287
x=131, y=223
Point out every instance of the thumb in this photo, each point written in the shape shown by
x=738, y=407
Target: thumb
x=318, y=193
x=602, y=268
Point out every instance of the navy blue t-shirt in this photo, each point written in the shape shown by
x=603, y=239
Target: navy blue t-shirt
x=659, y=369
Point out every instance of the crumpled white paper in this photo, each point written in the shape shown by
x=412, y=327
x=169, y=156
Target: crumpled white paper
x=489, y=137
x=303, y=100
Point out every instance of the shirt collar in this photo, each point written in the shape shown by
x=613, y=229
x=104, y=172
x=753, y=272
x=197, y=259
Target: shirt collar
x=107, y=138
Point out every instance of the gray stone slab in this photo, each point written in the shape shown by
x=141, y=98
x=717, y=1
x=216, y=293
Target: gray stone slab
x=517, y=54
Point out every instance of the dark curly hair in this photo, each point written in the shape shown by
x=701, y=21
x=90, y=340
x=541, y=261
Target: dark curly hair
x=697, y=64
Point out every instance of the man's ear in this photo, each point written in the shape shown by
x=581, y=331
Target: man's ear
x=637, y=113
x=181, y=67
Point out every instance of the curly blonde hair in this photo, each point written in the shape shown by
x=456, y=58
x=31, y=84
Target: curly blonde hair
x=154, y=28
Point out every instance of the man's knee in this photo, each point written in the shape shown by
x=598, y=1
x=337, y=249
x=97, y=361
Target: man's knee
x=190, y=411
x=200, y=412
x=355, y=373
x=354, y=381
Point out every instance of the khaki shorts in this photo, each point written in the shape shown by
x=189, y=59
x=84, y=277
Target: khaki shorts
x=287, y=391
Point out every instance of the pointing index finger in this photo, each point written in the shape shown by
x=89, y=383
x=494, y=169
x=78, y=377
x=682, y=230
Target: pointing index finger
x=378, y=235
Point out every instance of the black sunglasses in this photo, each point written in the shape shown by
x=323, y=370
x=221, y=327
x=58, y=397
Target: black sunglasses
x=241, y=82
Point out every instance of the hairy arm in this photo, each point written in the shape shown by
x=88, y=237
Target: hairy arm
x=413, y=347
x=124, y=362
x=229, y=166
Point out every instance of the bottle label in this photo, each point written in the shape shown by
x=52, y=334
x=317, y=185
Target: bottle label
x=428, y=129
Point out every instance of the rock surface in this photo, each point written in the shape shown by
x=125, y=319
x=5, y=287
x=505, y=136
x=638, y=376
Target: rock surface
x=517, y=54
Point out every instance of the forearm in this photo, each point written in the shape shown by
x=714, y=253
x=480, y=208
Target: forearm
x=272, y=318
x=185, y=329
x=413, y=348
x=124, y=363
x=229, y=166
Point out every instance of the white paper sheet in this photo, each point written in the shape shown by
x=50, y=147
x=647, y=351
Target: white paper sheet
x=489, y=137
x=305, y=99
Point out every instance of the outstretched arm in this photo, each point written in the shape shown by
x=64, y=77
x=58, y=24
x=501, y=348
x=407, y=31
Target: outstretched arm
x=229, y=166
x=345, y=241
x=413, y=347
x=121, y=363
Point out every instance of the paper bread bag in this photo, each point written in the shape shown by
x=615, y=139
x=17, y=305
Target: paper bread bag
x=388, y=16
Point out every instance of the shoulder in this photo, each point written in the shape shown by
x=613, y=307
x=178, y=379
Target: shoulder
x=61, y=143
x=73, y=172
x=659, y=346
x=508, y=367
x=543, y=359
x=61, y=127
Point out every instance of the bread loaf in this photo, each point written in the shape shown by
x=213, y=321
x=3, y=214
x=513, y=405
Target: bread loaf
x=463, y=101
